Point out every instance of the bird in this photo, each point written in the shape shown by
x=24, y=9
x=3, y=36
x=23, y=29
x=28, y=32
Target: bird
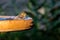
x=21, y=15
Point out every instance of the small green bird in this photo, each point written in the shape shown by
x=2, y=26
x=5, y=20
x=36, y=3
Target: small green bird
x=23, y=15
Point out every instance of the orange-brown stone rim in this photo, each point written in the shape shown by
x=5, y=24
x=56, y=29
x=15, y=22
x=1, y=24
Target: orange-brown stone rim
x=14, y=25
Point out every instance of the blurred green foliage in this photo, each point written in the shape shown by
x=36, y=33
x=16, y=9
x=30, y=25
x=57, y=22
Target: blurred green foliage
x=46, y=26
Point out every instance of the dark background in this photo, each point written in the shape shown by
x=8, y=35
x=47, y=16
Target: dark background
x=46, y=26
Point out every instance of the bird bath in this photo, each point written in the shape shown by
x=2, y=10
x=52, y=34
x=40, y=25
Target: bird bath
x=7, y=25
